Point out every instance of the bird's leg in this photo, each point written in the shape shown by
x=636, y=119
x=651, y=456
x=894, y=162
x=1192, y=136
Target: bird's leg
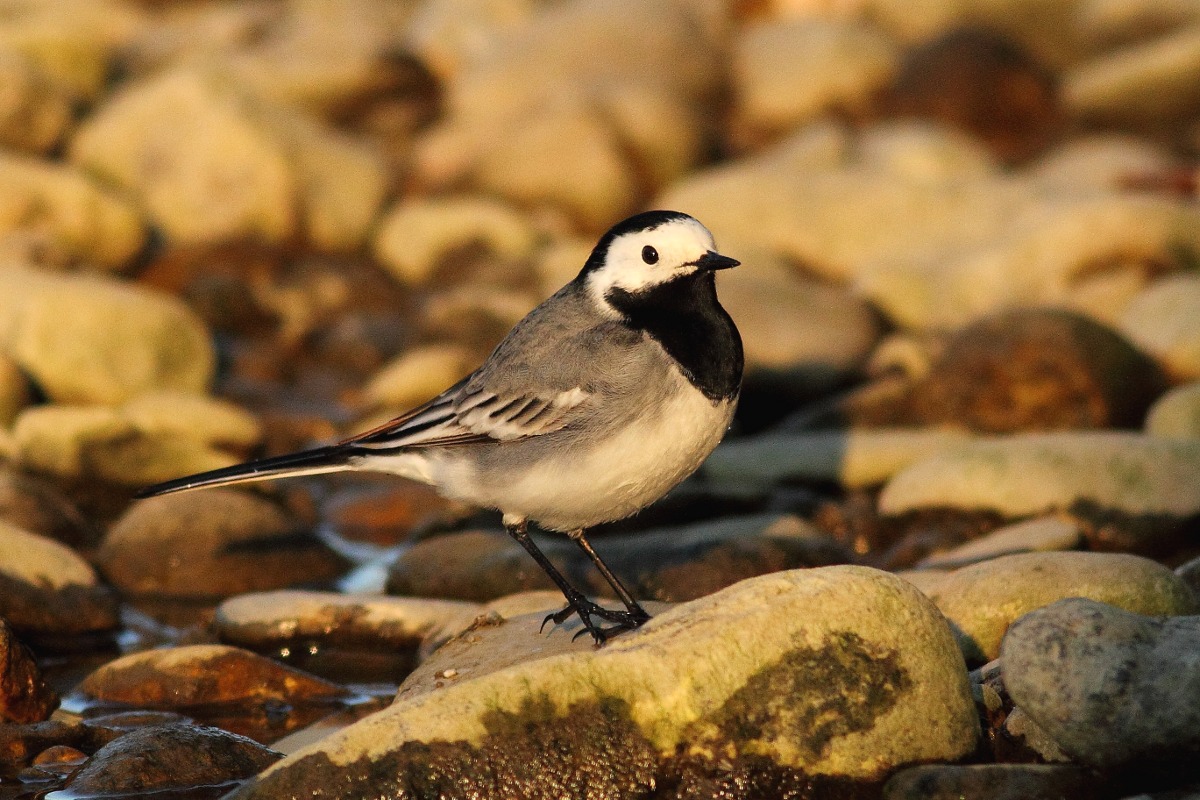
x=576, y=602
x=635, y=615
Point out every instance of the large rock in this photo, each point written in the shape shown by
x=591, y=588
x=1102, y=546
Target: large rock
x=46, y=589
x=212, y=543
x=212, y=164
x=52, y=212
x=870, y=672
x=90, y=339
x=983, y=600
x=1031, y=474
x=1111, y=687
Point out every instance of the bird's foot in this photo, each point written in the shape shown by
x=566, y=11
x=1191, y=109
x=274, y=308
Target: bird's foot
x=585, y=609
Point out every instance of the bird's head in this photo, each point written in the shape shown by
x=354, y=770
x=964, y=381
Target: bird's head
x=648, y=251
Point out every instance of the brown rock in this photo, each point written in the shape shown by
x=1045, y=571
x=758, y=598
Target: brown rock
x=36, y=506
x=993, y=781
x=167, y=757
x=24, y=694
x=1037, y=369
x=197, y=675
x=212, y=544
x=46, y=589
x=985, y=83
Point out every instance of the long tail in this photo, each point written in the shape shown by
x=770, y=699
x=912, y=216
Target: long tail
x=309, y=462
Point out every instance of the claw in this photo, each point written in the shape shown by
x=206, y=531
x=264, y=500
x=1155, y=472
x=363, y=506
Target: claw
x=585, y=609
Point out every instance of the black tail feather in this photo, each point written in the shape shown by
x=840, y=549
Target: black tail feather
x=321, y=459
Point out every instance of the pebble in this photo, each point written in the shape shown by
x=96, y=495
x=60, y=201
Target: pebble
x=1037, y=369
x=92, y=339
x=48, y=589
x=1110, y=686
x=15, y=391
x=227, y=167
x=56, y=214
x=212, y=544
x=99, y=442
x=269, y=620
x=418, y=374
x=1041, y=534
x=787, y=72
x=983, y=600
x=612, y=716
x=854, y=458
x=669, y=564
x=1030, y=474
x=417, y=236
x=1176, y=414
x=1164, y=320
x=190, y=676
x=36, y=506
x=208, y=420
x=25, y=696
x=35, y=110
x=161, y=758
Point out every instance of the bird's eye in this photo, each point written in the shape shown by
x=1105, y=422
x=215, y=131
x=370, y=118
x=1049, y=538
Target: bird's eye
x=649, y=255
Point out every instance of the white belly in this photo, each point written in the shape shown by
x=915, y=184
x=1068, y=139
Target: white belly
x=603, y=480
x=620, y=475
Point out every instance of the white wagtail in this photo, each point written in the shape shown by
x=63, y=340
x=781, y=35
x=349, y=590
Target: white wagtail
x=596, y=404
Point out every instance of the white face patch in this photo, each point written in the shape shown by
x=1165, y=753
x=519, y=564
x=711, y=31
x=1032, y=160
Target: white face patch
x=675, y=247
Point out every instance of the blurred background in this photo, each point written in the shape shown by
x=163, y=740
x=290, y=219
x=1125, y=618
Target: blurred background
x=231, y=229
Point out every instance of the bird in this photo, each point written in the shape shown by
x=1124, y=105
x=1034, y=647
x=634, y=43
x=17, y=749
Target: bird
x=597, y=403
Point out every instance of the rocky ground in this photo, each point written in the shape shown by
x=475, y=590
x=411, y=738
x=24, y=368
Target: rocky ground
x=950, y=548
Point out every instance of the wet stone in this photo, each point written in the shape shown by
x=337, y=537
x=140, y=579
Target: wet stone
x=668, y=564
x=24, y=695
x=165, y=757
x=47, y=590
x=197, y=675
x=991, y=781
x=213, y=543
x=1111, y=687
x=620, y=720
x=319, y=630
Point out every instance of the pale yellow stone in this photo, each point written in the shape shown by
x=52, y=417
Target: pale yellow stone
x=67, y=213
x=1176, y=414
x=678, y=673
x=40, y=561
x=982, y=600
x=1034, y=473
x=417, y=234
x=92, y=339
x=1146, y=80
x=200, y=417
x=852, y=458
x=789, y=71
x=417, y=375
x=1164, y=320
